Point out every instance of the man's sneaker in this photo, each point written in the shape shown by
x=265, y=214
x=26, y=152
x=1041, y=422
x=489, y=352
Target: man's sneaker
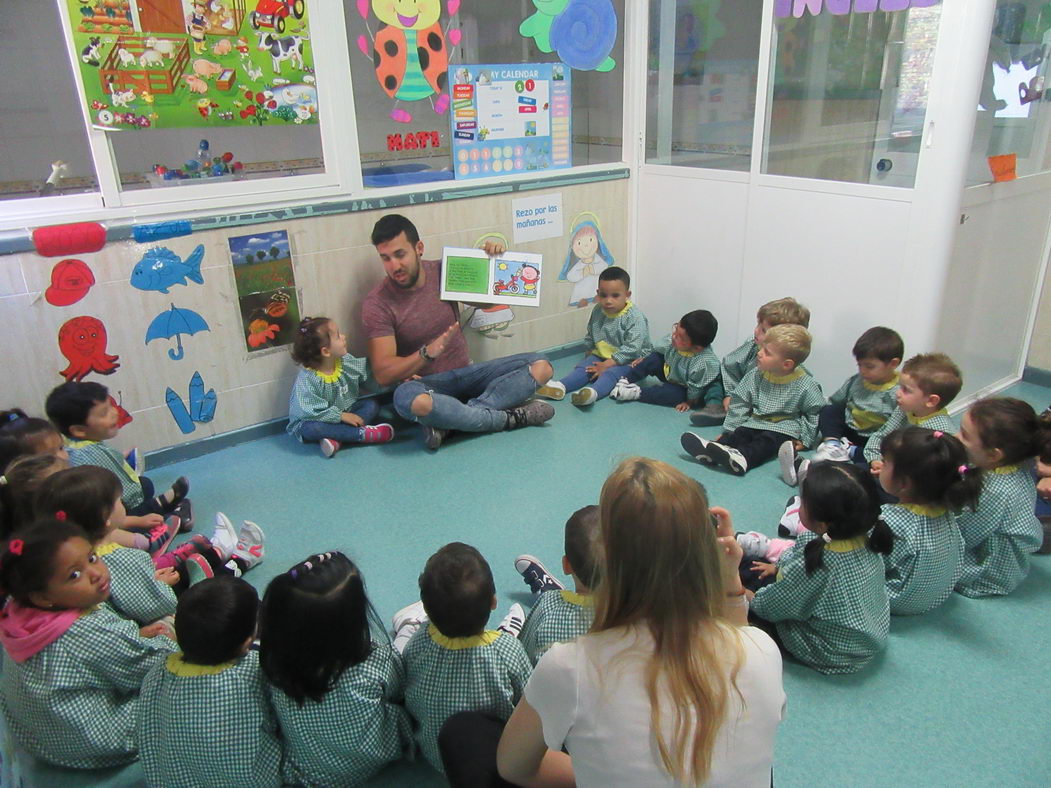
x=249, y=545
x=328, y=446
x=513, y=621
x=786, y=458
x=790, y=525
x=377, y=433
x=184, y=511
x=531, y=414
x=536, y=575
x=160, y=536
x=224, y=537
x=833, y=449
x=198, y=568
x=754, y=545
x=405, y=623
x=625, y=391
x=553, y=389
x=727, y=457
x=696, y=447
x=584, y=396
x=710, y=415
x=433, y=437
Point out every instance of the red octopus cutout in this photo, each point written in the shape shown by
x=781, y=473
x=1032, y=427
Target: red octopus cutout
x=82, y=341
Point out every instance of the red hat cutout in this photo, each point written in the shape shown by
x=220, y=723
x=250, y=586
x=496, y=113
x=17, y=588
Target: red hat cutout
x=70, y=282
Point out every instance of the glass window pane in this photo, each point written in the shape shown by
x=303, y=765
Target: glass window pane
x=480, y=33
x=700, y=97
x=41, y=124
x=1013, y=109
x=849, y=94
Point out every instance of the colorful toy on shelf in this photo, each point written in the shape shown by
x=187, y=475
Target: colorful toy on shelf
x=203, y=165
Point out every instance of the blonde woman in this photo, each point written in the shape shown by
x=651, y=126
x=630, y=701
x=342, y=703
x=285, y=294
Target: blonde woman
x=670, y=686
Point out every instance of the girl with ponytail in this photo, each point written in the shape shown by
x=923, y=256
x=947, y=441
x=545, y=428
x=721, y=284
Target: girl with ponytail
x=829, y=603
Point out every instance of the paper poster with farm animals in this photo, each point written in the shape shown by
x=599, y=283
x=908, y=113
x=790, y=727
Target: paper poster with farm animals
x=266, y=289
x=153, y=64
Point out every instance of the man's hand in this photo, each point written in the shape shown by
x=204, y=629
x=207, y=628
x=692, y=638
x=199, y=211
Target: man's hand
x=353, y=419
x=437, y=347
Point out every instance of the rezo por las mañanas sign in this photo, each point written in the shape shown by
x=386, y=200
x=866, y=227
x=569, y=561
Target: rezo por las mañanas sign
x=796, y=8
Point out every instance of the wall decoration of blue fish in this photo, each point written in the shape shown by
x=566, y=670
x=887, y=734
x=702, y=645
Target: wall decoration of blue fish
x=160, y=268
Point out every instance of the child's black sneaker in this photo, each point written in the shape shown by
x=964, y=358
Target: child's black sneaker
x=536, y=575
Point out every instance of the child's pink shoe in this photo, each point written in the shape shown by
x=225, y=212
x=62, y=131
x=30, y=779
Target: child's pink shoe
x=377, y=433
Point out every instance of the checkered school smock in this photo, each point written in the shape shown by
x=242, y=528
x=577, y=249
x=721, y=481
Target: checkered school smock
x=485, y=672
x=865, y=405
x=208, y=725
x=76, y=701
x=356, y=729
x=98, y=453
x=926, y=560
x=788, y=404
x=134, y=592
x=695, y=371
x=836, y=619
x=999, y=536
x=738, y=363
x=623, y=337
x=558, y=616
x=936, y=421
x=319, y=397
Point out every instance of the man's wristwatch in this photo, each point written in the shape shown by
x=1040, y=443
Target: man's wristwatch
x=424, y=354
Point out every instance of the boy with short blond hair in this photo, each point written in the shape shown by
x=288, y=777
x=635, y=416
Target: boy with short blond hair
x=737, y=363
x=777, y=401
x=928, y=382
x=560, y=614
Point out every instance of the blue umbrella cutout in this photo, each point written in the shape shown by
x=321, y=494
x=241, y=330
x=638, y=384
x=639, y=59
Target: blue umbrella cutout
x=172, y=325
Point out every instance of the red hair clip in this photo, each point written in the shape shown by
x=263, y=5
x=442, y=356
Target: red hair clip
x=15, y=547
x=60, y=515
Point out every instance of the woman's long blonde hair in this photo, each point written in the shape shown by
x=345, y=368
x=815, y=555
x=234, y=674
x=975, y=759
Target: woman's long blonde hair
x=662, y=570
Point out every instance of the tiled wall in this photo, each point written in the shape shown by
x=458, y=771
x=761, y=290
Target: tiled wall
x=335, y=267
x=1040, y=345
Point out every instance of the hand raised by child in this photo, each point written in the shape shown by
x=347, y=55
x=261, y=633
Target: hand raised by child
x=764, y=569
x=353, y=419
x=167, y=575
x=682, y=407
x=493, y=248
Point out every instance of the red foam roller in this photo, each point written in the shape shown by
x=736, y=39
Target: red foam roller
x=67, y=239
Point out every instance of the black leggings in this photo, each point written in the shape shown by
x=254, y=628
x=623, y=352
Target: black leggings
x=467, y=743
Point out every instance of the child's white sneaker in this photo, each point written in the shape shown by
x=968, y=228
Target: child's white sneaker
x=833, y=449
x=790, y=525
x=754, y=545
x=697, y=447
x=553, y=389
x=625, y=391
x=328, y=447
x=249, y=545
x=224, y=537
x=728, y=457
x=585, y=396
x=786, y=458
x=513, y=621
x=405, y=623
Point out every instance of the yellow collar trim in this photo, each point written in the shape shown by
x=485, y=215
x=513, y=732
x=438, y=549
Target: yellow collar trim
x=178, y=666
x=627, y=305
x=686, y=353
x=456, y=644
x=918, y=421
x=795, y=374
x=925, y=510
x=73, y=444
x=845, y=545
x=580, y=600
x=1003, y=470
x=106, y=549
x=333, y=376
x=883, y=386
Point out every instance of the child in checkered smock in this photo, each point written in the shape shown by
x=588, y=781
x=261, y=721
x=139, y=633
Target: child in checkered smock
x=72, y=668
x=560, y=614
x=617, y=334
x=336, y=683
x=205, y=719
x=927, y=471
x=778, y=401
x=829, y=602
x=452, y=662
x=1000, y=436
x=325, y=407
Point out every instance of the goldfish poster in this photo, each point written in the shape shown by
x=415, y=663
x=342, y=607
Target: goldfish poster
x=266, y=288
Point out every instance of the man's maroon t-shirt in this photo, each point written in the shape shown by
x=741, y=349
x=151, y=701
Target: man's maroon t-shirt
x=415, y=317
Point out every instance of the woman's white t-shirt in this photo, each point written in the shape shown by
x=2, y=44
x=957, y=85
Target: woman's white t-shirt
x=591, y=697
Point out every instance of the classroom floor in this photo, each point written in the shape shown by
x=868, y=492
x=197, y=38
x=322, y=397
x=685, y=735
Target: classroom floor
x=958, y=698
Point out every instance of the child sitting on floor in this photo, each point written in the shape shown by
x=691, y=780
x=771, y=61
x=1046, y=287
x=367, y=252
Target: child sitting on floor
x=777, y=400
x=452, y=662
x=19, y=486
x=617, y=334
x=1000, y=435
x=829, y=601
x=21, y=434
x=325, y=407
x=928, y=382
x=560, y=615
x=336, y=683
x=928, y=473
x=84, y=414
x=740, y=361
x=72, y=668
x=205, y=718
x=683, y=362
